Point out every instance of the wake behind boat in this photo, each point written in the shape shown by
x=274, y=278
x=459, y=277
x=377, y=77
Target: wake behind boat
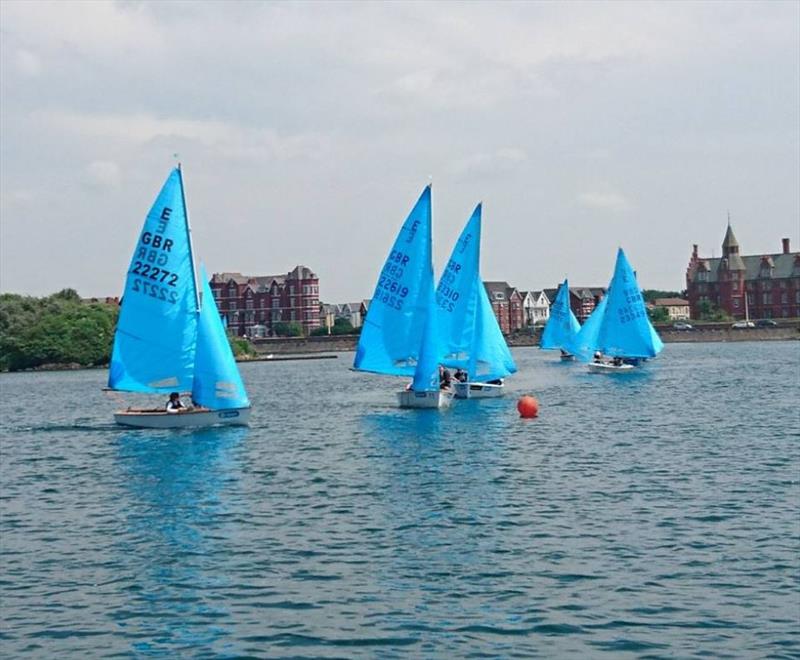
x=166, y=340
x=399, y=335
x=469, y=332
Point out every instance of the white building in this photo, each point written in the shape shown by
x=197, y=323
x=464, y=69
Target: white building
x=536, y=307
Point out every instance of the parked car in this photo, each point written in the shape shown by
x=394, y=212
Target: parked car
x=766, y=323
x=681, y=325
x=740, y=325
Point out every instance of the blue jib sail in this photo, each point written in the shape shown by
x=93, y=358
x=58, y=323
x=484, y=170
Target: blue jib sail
x=155, y=338
x=217, y=382
x=626, y=330
x=392, y=335
x=562, y=324
x=468, y=328
x=584, y=344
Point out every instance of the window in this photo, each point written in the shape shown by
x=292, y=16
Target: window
x=232, y=304
x=736, y=303
x=499, y=295
x=702, y=276
x=767, y=298
x=784, y=297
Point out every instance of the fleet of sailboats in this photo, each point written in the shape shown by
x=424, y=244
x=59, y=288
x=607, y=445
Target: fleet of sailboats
x=169, y=335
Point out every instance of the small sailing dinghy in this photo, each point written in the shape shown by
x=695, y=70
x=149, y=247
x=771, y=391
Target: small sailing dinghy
x=470, y=334
x=562, y=325
x=399, y=335
x=167, y=338
x=618, y=336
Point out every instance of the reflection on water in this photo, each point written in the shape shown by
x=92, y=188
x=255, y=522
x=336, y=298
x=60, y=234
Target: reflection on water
x=175, y=513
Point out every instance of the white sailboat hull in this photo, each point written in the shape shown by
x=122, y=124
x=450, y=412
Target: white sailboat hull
x=412, y=399
x=478, y=390
x=160, y=419
x=607, y=368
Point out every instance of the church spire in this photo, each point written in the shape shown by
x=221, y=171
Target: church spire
x=729, y=244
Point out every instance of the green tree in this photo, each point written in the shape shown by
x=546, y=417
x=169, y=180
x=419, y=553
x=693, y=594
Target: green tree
x=650, y=295
x=58, y=329
x=708, y=311
x=292, y=329
x=658, y=314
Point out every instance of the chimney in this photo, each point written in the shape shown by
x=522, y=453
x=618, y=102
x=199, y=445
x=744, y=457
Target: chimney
x=786, y=249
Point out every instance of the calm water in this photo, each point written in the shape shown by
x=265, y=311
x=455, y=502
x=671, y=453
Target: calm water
x=650, y=516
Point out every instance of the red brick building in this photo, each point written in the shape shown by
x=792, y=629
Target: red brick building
x=507, y=305
x=582, y=300
x=252, y=305
x=758, y=286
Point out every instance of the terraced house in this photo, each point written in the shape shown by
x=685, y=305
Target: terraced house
x=251, y=305
x=754, y=286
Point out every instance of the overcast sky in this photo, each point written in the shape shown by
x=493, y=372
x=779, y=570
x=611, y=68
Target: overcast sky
x=307, y=131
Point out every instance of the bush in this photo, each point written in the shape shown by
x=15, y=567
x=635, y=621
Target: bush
x=287, y=330
x=59, y=329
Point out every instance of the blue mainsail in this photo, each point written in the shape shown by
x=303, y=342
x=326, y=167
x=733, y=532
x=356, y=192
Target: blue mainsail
x=397, y=322
x=562, y=325
x=626, y=330
x=584, y=344
x=154, y=345
x=217, y=382
x=470, y=335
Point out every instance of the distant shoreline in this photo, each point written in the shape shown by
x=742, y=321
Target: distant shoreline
x=312, y=348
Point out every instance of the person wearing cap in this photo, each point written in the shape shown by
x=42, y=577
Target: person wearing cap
x=175, y=404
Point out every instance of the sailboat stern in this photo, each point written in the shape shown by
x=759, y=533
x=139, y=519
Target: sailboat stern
x=432, y=399
x=479, y=390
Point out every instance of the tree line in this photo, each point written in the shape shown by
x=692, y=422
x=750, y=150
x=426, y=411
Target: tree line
x=56, y=330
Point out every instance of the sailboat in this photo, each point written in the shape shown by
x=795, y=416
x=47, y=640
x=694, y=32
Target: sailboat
x=399, y=335
x=562, y=325
x=470, y=335
x=167, y=338
x=618, y=328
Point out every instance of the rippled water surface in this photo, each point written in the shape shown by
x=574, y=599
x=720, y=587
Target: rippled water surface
x=655, y=515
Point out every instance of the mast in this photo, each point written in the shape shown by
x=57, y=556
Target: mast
x=189, y=239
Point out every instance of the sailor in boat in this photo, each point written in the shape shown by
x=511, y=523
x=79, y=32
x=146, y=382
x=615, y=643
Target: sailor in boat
x=598, y=357
x=445, y=378
x=461, y=376
x=175, y=405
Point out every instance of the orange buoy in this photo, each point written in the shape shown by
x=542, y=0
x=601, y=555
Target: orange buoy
x=528, y=406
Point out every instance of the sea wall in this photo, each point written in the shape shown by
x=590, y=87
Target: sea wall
x=706, y=332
